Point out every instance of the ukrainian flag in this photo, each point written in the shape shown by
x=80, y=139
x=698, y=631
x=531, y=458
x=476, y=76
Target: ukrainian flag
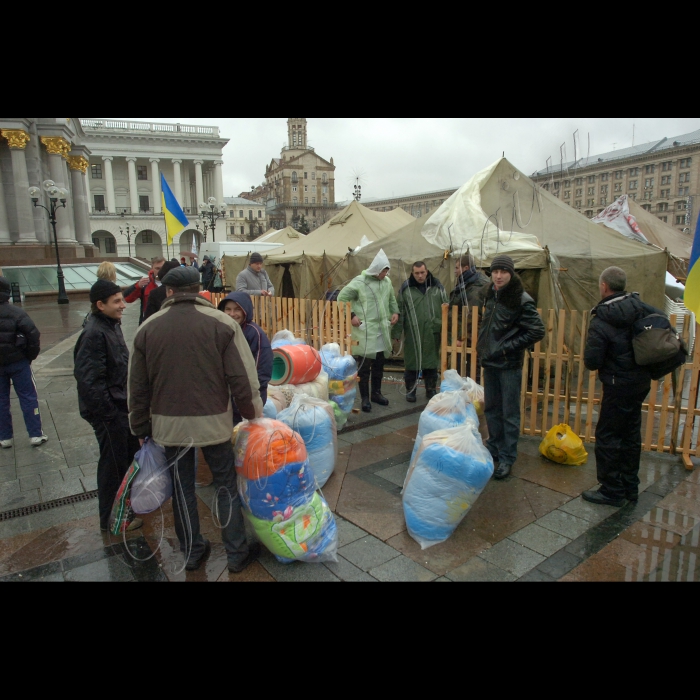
x=175, y=219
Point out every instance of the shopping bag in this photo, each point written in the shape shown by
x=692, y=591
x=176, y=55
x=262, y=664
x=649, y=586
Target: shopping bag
x=563, y=446
x=153, y=485
x=122, y=513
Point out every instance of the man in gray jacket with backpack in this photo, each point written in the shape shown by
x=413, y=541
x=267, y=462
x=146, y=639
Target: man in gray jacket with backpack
x=611, y=351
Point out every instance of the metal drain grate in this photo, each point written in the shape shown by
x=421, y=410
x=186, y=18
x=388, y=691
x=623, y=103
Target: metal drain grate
x=49, y=505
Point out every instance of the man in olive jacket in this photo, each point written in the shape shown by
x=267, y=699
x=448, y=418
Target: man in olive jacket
x=511, y=324
x=189, y=359
x=609, y=350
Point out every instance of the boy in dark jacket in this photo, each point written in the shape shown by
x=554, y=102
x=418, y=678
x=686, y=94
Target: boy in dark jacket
x=609, y=350
x=239, y=307
x=19, y=347
x=101, y=369
x=511, y=324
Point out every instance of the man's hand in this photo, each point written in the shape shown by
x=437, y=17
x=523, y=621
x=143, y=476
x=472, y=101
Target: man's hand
x=142, y=442
x=394, y=319
x=143, y=282
x=356, y=322
x=265, y=293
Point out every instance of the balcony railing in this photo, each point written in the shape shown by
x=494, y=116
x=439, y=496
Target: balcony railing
x=124, y=211
x=92, y=124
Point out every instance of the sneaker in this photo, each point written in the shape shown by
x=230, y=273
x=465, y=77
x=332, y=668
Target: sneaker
x=253, y=556
x=35, y=442
x=6, y=444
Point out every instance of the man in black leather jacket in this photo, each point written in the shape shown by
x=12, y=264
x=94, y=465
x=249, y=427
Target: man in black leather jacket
x=19, y=347
x=609, y=350
x=510, y=325
x=101, y=370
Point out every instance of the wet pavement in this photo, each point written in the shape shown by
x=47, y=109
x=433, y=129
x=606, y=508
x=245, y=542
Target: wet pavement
x=533, y=526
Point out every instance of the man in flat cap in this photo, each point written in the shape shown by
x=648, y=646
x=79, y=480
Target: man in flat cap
x=195, y=410
x=510, y=325
x=101, y=367
x=254, y=280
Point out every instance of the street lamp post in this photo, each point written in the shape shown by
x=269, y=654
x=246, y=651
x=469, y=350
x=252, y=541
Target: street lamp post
x=55, y=194
x=128, y=232
x=211, y=213
x=203, y=227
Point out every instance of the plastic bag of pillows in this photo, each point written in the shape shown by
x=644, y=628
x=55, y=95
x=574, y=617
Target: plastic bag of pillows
x=452, y=381
x=313, y=419
x=449, y=409
x=447, y=475
x=342, y=376
x=318, y=389
x=278, y=491
x=285, y=338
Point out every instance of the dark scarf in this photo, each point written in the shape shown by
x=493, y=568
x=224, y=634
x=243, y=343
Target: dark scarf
x=467, y=277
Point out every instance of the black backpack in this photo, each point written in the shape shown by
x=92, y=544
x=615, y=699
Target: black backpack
x=657, y=346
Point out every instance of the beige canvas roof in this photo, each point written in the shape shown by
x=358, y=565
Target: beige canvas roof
x=285, y=235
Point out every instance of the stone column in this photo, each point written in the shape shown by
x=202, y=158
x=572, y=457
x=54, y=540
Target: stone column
x=219, y=181
x=57, y=148
x=5, y=238
x=17, y=141
x=199, y=183
x=178, y=182
x=109, y=183
x=88, y=194
x=157, y=207
x=133, y=186
x=78, y=168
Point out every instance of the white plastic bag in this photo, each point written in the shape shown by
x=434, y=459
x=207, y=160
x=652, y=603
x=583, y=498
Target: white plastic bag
x=452, y=381
x=314, y=420
x=285, y=338
x=153, y=485
x=317, y=389
x=447, y=475
x=342, y=376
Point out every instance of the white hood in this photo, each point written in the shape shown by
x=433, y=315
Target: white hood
x=380, y=263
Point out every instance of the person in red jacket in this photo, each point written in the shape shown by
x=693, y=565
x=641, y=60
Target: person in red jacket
x=144, y=287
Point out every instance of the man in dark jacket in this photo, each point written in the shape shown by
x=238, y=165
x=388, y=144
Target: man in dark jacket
x=143, y=288
x=420, y=321
x=239, y=306
x=19, y=347
x=101, y=368
x=157, y=297
x=511, y=324
x=609, y=350
x=196, y=410
x=208, y=271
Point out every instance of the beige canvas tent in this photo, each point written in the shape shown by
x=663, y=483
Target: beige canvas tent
x=311, y=265
x=285, y=236
x=500, y=210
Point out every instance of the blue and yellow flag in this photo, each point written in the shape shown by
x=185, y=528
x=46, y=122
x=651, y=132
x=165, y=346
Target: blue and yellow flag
x=175, y=219
x=691, y=298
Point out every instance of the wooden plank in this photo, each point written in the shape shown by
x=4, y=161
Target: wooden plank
x=651, y=406
x=678, y=398
x=558, y=369
x=445, y=341
x=592, y=376
x=326, y=336
x=570, y=366
x=581, y=373
x=348, y=326
x=535, y=384
x=455, y=328
x=548, y=372
x=474, y=320
x=689, y=427
x=523, y=394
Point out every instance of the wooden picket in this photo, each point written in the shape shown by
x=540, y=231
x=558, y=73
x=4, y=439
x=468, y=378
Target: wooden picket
x=557, y=387
x=316, y=322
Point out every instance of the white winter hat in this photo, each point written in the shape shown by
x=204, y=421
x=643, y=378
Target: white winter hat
x=379, y=264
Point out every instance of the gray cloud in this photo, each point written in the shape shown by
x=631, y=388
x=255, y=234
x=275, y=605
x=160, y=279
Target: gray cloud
x=399, y=156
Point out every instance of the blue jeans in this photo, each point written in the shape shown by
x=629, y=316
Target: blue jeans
x=20, y=374
x=502, y=411
x=220, y=459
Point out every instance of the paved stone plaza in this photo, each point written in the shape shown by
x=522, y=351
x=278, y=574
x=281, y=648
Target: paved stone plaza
x=532, y=527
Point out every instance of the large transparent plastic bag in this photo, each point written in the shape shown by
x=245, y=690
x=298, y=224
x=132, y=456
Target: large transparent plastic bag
x=278, y=491
x=285, y=338
x=340, y=416
x=313, y=419
x=153, y=485
x=342, y=376
x=446, y=477
x=318, y=389
x=452, y=381
x=270, y=409
x=448, y=409
x=563, y=446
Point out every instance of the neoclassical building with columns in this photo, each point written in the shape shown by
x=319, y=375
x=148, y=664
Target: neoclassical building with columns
x=123, y=182
x=33, y=150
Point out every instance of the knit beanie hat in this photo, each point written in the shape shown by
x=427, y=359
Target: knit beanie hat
x=256, y=258
x=503, y=262
x=103, y=290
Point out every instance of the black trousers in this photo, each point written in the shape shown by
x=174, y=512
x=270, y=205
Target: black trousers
x=430, y=377
x=370, y=367
x=618, y=435
x=117, y=449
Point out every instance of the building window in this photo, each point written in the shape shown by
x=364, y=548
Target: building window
x=567, y=183
x=591, y=179
x=680, y=220
x=668, y=165
x=556, y=185
x=306, y=176
x=619, y=174
x=325, y=202
x=142, y=172
x=96, y=243
x=324, y=178
x=591, y=202
x=96, y=172
x=604, y=189
x=144, y=203
x=591, y=190
x=604, y=177
x=666, y=179
x=663, y=206
x=110, y=245
x=649, y=182
x=618, y=187
x=665, y=194
x=313, y=176
x=589, y=214
x=680, y=205
x=250, y=214
x=325, y=190
x=686, y=162
x=604, y=201
x=147, y=238
x=649, y=169
x=295, y=177
x=579, y=180
x=306, y=188
x=295, y=189
x=633, y=185
x=306, y=200
x=242, y=230
x=634, y=196
x=99, y=202
x=567, y=194
x=578, y=203
x=259, y=214
x=664, y=218
x=313, y=200
x=646, y=207
x=295, y=201
x=684, y=177
x=579, y=192
x=634, y=172
x=647, y=195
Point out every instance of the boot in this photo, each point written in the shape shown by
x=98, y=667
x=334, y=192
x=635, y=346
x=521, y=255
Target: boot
x=364, y=394
x=430, y=385
x=411, y=380
x=377, y=392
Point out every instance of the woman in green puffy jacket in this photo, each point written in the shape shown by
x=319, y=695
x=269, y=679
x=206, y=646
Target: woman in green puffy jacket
x=374, y=312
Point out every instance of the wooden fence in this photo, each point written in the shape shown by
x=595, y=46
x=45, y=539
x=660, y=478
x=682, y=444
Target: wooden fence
x=557, y=387
x=316, y=322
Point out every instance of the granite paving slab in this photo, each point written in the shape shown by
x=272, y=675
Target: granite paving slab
x=512, y=557
x=480, y=570
x=368, y=553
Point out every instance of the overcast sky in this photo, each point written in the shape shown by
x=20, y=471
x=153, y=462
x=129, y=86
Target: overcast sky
x=402, y=156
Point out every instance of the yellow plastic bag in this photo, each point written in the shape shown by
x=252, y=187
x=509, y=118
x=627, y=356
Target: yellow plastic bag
x=563, y=446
